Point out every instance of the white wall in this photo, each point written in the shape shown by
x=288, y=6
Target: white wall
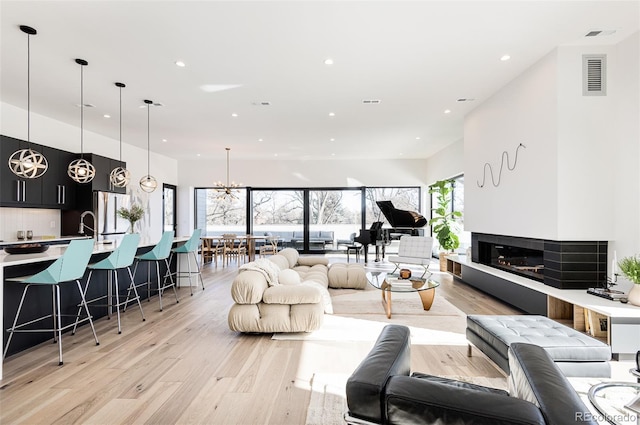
x=525, y=201
x=578, y=178
x=49, y=132
x=311, y=173
x=623, y=211
x=446, y=163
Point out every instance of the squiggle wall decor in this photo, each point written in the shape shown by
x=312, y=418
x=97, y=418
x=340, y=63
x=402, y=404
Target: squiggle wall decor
x=504, y=154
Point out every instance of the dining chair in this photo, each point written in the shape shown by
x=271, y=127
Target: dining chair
x=233, y=248
x=270, y=246
x=190, y=248
x=159, y=253
x=212, y=248
x=69, y=267
x=121, y=258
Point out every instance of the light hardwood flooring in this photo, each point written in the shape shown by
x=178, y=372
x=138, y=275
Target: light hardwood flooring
x=184, y=365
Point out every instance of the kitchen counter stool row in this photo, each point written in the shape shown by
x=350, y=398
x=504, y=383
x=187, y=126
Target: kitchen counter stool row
x=70, y=268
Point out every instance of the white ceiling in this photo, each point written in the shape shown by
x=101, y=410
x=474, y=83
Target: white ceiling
x=417, y=57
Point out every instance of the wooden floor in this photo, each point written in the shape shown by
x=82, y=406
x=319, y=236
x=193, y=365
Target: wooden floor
x=184, y=365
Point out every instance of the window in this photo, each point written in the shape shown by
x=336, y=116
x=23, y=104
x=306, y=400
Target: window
x=403, y=198
x=216, y=217
x=303, y=218
x=278, y=213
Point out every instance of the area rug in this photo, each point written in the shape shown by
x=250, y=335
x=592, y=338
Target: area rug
x=369, y=301
x=328, y=401
x=359, y=316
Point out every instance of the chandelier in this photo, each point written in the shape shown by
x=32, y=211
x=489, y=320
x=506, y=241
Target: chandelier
x=227, y=191
x=80, y=170
x=148, y=183
x=120, y=176
x=28, y=163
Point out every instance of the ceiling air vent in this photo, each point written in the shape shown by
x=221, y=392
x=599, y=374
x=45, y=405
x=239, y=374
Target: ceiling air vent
x=371, y=101
x=262, y=103
x=594, y=75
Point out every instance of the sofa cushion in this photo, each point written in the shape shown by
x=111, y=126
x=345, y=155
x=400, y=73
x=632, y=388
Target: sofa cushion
x=280, y=260
x=248, y=287
x=289, y=277
x=291, y=255
x=292, y=294
x=312, y=260
x=326, y=297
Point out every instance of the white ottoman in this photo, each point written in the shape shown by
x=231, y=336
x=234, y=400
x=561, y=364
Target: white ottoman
x=347, y=276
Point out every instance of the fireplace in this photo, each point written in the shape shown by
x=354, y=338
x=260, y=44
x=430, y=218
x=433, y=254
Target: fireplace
x=561, y=264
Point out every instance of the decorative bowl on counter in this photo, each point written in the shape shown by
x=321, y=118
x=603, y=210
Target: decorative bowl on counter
x=26, y=248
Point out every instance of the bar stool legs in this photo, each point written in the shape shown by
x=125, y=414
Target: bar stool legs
x=56, y=316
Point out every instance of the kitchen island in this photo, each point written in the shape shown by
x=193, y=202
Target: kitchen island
x=13, y=265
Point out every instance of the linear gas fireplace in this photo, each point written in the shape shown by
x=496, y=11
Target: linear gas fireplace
x=561, y=264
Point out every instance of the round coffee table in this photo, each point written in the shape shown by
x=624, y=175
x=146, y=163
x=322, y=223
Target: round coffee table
x=388, y=283
x=612, y=398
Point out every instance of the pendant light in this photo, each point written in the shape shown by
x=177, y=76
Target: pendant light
x=227, y=191
x=148, y=183
x=120, y=176
x=81, y=170
x=27, y=163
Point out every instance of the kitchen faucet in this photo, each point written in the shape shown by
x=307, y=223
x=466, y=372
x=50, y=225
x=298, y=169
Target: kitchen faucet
x=82, y=225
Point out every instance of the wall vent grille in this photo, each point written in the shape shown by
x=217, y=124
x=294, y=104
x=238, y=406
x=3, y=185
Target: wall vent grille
x=594, y=75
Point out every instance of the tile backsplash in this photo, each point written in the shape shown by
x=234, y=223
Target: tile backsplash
x=43, y=222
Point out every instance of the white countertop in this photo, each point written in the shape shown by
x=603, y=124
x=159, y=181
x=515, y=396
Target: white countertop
x=40, y=239
x=573, y=296
x=55, y=251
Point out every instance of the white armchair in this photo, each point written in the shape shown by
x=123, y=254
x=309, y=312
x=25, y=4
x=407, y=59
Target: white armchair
x=413, y=250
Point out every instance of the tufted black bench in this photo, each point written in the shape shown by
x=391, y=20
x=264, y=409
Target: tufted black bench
x=575, y=353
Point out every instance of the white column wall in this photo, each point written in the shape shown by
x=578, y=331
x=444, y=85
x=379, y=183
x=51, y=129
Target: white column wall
x=525, y=201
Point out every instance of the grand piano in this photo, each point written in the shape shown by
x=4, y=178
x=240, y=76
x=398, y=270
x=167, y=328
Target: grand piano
x=402, y=223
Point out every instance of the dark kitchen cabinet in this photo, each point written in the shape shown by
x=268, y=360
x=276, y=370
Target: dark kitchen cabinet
x=16, y=191
x=100, y=182
x=58, y=189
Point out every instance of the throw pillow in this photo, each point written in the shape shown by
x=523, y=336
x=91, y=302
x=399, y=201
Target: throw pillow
x=288, y=277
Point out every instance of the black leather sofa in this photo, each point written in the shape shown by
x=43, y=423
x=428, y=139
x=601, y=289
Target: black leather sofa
x=382, y=390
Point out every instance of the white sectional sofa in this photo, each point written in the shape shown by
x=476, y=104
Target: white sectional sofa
x=290, y=297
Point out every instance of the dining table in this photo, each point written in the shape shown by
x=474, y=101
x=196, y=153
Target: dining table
x=250, y=241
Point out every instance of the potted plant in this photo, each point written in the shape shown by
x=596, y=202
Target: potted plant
x=443, y=219
x=630, y=268
x=132, y=214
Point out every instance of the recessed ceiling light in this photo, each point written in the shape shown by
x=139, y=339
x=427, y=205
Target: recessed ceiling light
x=197, y=154
x=260, y=140
x=107, y=116
x=328, y=61
x=332, y=114
x=447, y=111
x=180, y=64
x=164, y=140
x=275, y=154
x=234, y=115
x=505, y=58
x=332, y=140
x=333, y=154
x=417, y=138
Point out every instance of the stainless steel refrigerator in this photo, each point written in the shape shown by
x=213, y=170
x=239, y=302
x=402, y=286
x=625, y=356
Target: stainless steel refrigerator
x=105, y=207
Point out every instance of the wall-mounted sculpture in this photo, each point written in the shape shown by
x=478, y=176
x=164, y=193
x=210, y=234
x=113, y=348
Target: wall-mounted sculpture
x=505, y=154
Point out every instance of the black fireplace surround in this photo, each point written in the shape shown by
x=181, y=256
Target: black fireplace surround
x=561, y=264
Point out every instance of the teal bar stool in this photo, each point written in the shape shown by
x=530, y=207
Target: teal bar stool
x=69, y=267
x=159, y=253
x=190, y=247
x=121, y=258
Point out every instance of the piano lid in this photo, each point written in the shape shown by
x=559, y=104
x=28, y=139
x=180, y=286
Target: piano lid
x=401, y=218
